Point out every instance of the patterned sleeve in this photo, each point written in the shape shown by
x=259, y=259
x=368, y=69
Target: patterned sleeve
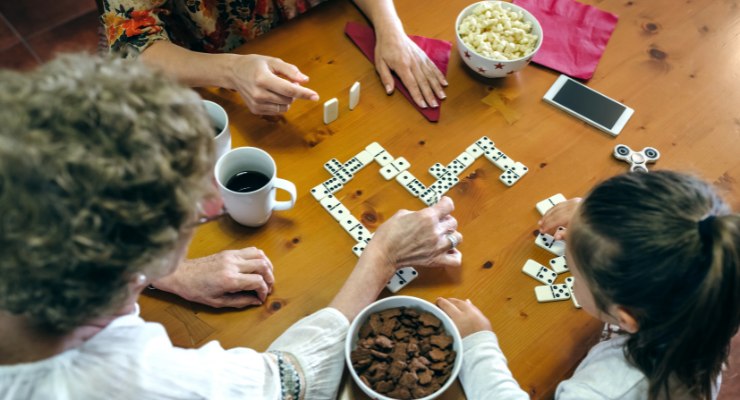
x=133, y=25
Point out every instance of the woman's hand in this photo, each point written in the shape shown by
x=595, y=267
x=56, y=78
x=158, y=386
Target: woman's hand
x=232, y=278
x=259, y=83
x=559, y=215
x=419, y=239
x=395, y=51
x=467, y=317
x=407, y=239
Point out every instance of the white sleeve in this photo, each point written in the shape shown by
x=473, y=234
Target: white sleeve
x=484, y=373
x=317, y=343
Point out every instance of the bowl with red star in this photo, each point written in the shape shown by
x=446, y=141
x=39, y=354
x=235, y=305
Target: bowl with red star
x=500, y=66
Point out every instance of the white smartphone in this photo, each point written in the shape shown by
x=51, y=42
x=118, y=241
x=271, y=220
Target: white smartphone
x=589, y=105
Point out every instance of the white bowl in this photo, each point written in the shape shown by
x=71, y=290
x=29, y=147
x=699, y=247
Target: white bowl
x=417, y=305
x=489, y=67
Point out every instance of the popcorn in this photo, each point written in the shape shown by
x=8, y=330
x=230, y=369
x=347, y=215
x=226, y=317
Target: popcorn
x=497, y=33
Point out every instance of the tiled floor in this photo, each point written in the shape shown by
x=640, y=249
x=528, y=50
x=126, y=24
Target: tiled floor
x=32, y=32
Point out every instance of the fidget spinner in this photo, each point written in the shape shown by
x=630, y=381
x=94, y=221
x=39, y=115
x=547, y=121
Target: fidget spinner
x=637, y=159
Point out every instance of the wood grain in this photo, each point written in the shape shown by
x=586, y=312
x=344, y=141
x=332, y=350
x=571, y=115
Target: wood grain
x=673, y=62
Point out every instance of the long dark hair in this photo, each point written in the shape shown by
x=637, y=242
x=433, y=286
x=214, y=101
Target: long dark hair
x=641, y=244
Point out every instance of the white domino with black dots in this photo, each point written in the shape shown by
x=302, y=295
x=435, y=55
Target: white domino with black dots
x=392, y=170
x=559, y=265
x=547, y=204
x=569, y=281
x=359, y=248
x=539, y=272
x=514, y=173
x=546, y=294
x=401, y=279
x=549, y=243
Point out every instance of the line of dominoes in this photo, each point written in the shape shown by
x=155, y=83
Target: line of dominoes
x=446, y=178
x=551, y=291
x=343, y=173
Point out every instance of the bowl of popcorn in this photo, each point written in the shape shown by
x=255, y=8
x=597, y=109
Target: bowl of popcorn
x=402, y=348
x=496, y=39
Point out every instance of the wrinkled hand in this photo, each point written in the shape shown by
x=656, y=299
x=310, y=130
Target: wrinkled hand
x=418, y=239
x=257, y=79
x=395, y=51
x=231, y=278
x=559, y=215
x=467, y=317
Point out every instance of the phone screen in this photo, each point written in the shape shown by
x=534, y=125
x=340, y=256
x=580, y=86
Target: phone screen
x=589, y=103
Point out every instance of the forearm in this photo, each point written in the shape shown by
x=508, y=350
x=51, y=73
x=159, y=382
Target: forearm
x=189, y=67
x=382, y=13
x=363, y=286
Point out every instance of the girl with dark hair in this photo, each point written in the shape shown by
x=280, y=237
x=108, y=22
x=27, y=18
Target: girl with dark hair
x=655, y=256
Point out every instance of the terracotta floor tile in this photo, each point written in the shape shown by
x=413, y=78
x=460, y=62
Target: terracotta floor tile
x=32, y=17
x=79, y=34
x=17, y=57
x=7, y=37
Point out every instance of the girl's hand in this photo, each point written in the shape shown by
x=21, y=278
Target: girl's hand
x=558, y=216
x=467, y=317
x=259, y=83
x=395, y=51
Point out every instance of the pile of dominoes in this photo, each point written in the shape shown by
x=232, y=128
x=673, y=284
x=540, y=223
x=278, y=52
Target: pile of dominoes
x=551, y=291
x=446, y=179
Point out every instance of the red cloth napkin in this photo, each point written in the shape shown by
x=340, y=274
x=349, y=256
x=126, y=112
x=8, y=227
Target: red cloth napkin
x=437, y=50
x=575, y=35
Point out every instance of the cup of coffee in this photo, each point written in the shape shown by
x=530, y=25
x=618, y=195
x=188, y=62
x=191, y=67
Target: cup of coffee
x=247, y=179
x=220, y=121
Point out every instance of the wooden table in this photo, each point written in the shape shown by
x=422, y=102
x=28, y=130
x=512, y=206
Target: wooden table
x=673, y=62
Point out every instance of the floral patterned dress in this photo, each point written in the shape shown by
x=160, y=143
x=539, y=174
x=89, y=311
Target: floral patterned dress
x=210, y=26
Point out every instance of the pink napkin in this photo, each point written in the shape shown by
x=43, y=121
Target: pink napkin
x=575, y=35
x=437, y=50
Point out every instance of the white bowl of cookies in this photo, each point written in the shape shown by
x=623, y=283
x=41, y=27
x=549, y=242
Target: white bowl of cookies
x=496, y=39
x=403, y=347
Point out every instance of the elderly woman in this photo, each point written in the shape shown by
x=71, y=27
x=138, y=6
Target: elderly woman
x=184, y=38
x=105, y=170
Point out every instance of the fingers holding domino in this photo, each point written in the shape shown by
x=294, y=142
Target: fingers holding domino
x=557, y=216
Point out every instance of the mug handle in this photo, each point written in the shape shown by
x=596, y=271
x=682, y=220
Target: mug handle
x=288, y=187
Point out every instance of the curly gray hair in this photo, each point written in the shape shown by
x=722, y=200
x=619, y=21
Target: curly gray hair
x=102, y=162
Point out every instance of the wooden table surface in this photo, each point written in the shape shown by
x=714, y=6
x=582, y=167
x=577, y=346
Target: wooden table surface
x=674, y=63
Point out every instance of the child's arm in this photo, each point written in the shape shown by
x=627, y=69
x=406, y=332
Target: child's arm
x=484, y=373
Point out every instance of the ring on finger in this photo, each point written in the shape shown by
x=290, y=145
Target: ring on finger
x=278, y=108
x=453, y=241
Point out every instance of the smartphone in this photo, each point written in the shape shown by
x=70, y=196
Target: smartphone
x=589, y=105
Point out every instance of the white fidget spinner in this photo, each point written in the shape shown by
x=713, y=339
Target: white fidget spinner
x=637, y=159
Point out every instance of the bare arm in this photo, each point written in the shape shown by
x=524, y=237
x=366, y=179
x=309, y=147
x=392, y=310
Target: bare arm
x=363, y=286
x=189, y=67
x=382, y=13
x=256, y=78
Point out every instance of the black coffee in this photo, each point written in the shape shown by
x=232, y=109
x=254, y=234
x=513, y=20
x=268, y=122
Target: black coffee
x=218, y=130
x=247, y=181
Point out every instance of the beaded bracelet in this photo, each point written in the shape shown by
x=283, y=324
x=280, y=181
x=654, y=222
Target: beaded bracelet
x=290, y=380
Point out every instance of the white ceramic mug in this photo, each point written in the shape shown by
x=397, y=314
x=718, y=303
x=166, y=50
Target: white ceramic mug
x=252, y=208
x=220, y=119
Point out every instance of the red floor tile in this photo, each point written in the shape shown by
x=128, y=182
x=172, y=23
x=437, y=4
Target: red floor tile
x=17, y=57
x=79, y=34
x=7, y=37
x=32, y=17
